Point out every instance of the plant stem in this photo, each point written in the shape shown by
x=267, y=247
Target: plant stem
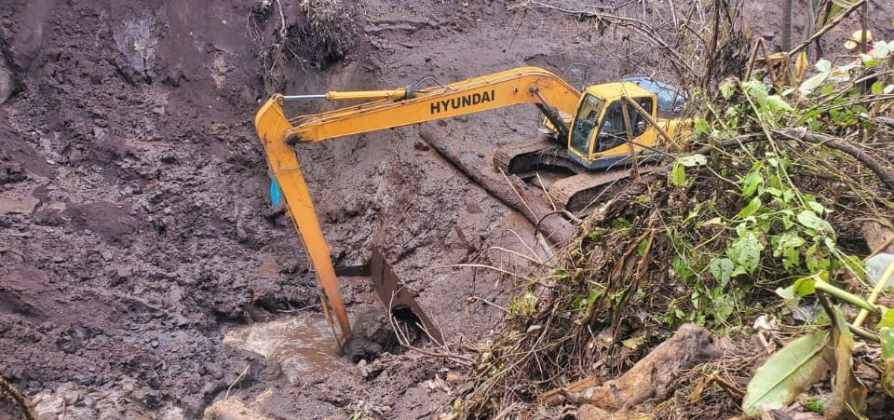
x=845, y=296
x=876, y=291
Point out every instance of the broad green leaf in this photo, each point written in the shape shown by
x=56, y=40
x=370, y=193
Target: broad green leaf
x=693, y=160
x=723, y=306
x=745, y=253
x=721, y=269
x=682, y=269
x=816, y=207
x=788, y=246
x=887, y=336
x=887, y=320
x=805, y=286
x=887, y=339
x=678, y=175
x=876, y=88
x=701, y=127
x=752, y=181
x=810, y=220
x=776, y=103
x=786, y=374
x=753, y=206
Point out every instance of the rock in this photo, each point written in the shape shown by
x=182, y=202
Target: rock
x=71, y=396
x=49, y=407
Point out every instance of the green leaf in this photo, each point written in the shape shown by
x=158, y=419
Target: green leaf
x=678, y=175
x=805, y=286
x=810, y=220
x=887, y=338
x=682, y=269
x=887, y=320
x=752, y=181
x=776, y=103
x=753, y=206
x=786, y=374
x=876, y=88
x=816, y=259
x=721, y=269
x=723, y=306
x=788, y=245
x=816, y=207
x=701, y=127
x=745, y=253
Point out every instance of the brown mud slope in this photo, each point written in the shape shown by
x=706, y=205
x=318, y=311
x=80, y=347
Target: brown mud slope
x=133, y=232
x=132, y=227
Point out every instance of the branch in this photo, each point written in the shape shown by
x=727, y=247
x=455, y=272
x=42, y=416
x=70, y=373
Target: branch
x=642, y=27
x=826, y=28
x=842, y=145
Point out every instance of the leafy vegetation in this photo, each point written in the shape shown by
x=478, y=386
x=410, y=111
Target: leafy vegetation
x=758, y=227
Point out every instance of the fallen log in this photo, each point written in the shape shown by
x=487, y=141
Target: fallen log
x=650, y=378
x=510, y=190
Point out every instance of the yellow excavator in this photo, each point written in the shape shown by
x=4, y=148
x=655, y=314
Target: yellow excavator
x=593, y=137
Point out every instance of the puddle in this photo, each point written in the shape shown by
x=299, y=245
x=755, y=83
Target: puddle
x=302, y=345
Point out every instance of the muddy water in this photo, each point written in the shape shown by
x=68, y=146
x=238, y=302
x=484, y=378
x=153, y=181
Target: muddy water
x=302, y=345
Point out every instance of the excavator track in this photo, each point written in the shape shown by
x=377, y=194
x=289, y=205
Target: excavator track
x=579, y=190
x=586, y=189
x=506, y=158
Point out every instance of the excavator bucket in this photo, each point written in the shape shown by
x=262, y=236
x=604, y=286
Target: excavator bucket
x=399, y=300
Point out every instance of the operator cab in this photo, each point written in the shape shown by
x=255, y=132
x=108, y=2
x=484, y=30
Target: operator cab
x=598, y=135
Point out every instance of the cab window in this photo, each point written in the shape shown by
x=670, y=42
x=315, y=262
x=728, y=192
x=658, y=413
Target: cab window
x=587, y=115
x=614, y=132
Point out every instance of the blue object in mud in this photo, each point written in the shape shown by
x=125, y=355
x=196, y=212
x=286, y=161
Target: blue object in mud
x=275, y=194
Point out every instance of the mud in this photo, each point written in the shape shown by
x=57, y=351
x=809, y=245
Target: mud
x=139, y=274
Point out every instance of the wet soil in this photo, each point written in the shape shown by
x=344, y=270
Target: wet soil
x=140, y=274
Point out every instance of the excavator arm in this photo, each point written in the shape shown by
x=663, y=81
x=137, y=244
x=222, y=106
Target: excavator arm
x=388, y=109
x=523, y=85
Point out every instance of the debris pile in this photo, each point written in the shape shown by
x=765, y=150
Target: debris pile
x=757, y=233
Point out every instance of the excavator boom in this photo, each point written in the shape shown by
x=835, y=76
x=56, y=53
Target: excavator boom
x=523, y=85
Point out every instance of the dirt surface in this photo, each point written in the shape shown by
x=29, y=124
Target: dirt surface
x=134, y=233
